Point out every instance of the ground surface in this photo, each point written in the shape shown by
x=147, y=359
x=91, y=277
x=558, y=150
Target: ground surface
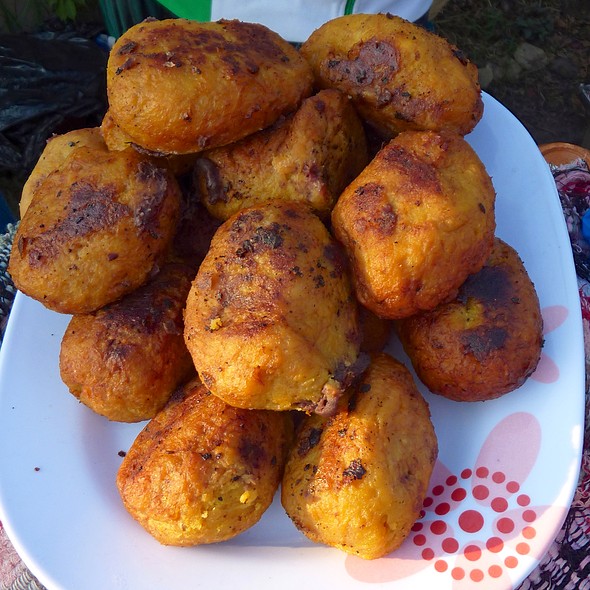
x=547, y=100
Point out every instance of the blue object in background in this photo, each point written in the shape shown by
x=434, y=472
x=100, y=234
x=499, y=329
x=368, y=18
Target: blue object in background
x=6, y=215
x=586, y=226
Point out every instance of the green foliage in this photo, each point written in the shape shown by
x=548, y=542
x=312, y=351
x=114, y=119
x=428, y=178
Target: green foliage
x=536, y=23
x=65, y=9
x=21, y=15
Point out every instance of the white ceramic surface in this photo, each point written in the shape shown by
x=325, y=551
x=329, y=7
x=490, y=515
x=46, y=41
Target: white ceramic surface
x=506, y=474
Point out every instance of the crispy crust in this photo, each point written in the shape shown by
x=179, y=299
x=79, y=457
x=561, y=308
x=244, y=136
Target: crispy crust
x=180, y=86
x=55, y=153
x=125, y=360
x=97, y=227
x=416, y=222
x=271, y=320
x=484, y=343
x=399, y=75
x=202, y=471
x=309, y=157
x=357, y=480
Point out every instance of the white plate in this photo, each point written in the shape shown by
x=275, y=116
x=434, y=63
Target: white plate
x=506, y=475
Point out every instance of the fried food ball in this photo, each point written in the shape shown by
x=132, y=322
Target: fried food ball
x=416, y=222
x=310, y=157
x=180, y=86
x=116, y=139
x=98, y=227
x=55, y=153
x=202, y=471
x=400, y=76
x=125, y=360
x=484, y=343
x=271, y=321
x=357, y=480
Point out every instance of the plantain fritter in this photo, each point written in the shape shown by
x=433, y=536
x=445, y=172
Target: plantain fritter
x=416, y=222
x=399, y=75
x=97, y=227
x=310, y=156
x=357, y=480
x=271, y=321
x=125, y=360
x=180, y=86
x=55, y=153
x=202, y=471
x=484, y=343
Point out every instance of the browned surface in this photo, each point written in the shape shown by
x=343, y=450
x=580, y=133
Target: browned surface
x=399, y=75
x=95, y=229
x=56, y=151
x=271, y=321
x=309, y=157
x=179, y=86
x=487, y=341
x=357, y=480
x=202, y=471
x=125, y=360
x=416, y=222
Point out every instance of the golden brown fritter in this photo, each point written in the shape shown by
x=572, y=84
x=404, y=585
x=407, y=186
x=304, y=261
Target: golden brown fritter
x=202, y=471
x=484, y=343
x=308, y=157
x=399, y=75
x=416, y=222
x=357, y=480
x=271, y=321
x=55, y=153
x=125, y=360
x=97, y=227
x=180, y=86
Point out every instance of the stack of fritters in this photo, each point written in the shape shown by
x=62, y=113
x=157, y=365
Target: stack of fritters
x=231, y=233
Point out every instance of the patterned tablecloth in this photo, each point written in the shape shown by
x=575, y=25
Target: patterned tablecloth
x=566, y=566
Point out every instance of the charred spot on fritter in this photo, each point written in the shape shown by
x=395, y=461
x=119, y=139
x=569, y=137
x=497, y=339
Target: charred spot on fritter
x=129, y=63
x=252, y=452
x=422, y=173
x=127, y=47
x=243, y=223
x=369, y=62
x=491, y=285
x=309, y=441
x=90, y=208
x=482, y=342
x=354, y=471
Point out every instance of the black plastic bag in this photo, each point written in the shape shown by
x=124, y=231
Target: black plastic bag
x=50, y=83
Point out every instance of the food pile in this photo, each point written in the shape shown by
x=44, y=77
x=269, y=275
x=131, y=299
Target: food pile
x=237, y=242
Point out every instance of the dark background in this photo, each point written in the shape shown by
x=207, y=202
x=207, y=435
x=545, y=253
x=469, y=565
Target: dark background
x=547, y=100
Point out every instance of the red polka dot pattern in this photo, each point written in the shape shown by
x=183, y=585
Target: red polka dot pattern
x=505, y=515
